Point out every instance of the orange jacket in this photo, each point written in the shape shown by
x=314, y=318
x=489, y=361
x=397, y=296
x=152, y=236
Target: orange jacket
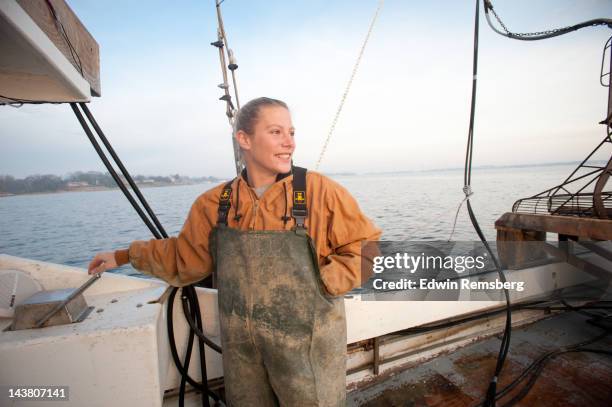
x=335, y=223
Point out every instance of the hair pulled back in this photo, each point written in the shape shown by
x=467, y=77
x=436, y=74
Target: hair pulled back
x=247, y=115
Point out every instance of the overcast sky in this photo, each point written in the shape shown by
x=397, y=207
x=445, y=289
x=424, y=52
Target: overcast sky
x=538, y=102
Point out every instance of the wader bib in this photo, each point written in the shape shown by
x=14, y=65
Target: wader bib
x=283, y=338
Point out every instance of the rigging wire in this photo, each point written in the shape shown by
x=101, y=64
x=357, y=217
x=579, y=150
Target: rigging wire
x=349, y=83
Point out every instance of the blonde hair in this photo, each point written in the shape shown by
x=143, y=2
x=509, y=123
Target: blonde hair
x=247, y=115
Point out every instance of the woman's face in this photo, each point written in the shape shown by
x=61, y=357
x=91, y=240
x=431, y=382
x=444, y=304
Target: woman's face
x=270, y=148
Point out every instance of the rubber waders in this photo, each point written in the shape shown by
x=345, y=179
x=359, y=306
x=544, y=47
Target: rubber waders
x=283, y=338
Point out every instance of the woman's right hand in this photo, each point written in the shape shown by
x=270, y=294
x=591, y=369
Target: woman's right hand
x=102, y=262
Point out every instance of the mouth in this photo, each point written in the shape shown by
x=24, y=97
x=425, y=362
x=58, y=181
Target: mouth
x=284, y=156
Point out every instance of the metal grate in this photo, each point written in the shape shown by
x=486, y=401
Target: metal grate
x=564, y=205
x=581, y=194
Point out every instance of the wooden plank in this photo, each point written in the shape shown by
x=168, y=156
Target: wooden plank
x=31, y=66
x=518, y=248
x=590, y=228
x=83, y=42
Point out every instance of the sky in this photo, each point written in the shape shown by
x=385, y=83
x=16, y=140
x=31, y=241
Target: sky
x=408, y=108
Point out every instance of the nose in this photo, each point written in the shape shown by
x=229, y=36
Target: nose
x=288, y=140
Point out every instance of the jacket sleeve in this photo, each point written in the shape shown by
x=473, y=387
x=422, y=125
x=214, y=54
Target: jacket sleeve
x=180, y=260
x=348, y=229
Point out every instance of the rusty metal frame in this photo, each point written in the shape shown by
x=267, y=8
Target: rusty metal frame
x=559, y=200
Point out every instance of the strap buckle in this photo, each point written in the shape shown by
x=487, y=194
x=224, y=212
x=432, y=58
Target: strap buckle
x=300, y=217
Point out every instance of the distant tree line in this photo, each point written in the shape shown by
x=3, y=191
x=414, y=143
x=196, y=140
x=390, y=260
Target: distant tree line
x=54, y=183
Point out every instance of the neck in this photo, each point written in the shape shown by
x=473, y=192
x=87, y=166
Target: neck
x=259, y=177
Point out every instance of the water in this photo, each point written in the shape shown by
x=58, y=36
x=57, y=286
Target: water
x=69, y=228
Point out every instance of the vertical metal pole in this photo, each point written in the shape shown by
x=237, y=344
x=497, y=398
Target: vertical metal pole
x=376, y=351
x=609, y=117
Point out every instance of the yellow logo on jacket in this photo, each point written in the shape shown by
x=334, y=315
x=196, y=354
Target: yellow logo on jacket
x=298, y=197
x=225, y=195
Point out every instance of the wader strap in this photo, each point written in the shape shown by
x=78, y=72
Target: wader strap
x=299, y=210
x=225, y=203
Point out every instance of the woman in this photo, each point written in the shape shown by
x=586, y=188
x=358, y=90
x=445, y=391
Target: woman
x=285, y=245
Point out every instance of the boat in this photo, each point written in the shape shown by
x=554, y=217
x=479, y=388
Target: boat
x=120, y=344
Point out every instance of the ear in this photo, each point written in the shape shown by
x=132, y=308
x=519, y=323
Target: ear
x=244, y=141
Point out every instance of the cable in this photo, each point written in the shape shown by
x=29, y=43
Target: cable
x=201, y=345
x=540, y=368
x=491, y=393
x=62, y=30
x=532, y=305
x=21, y=102
x=124, y=171
x=540, y=35
x=537, y=365
x=186, y=367
x=467, y=176
x=475, y=317
x=196, y=329
x=192, y=309
x=112, y=171
x=173, y=348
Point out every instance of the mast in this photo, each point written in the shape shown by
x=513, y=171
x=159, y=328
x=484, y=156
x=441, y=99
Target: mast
x=225, y=55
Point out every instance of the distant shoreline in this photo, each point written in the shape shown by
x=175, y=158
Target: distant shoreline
x=100, y=188
x=456, y=169
x=91, y=188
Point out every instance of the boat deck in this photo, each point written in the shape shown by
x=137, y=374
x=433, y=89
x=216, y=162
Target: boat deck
x=461, y=378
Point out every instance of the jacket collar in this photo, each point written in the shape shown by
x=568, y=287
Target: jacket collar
x=279, y=176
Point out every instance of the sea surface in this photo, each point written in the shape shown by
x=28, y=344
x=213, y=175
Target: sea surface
x=70, y=228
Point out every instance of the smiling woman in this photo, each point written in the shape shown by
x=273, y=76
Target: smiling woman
x=265, y=134
x=281, y=270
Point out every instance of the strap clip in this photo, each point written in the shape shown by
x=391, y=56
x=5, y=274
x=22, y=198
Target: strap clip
x=300, y=216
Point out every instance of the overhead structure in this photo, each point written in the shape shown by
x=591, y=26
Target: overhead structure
x=46, y=54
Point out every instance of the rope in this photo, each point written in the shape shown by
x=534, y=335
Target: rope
x=467, y=190
x=350, y=82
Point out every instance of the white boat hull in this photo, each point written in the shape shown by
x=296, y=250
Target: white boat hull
x=120, y=354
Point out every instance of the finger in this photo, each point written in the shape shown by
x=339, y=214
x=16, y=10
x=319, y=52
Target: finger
x=94, y=262
x=100, y=269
